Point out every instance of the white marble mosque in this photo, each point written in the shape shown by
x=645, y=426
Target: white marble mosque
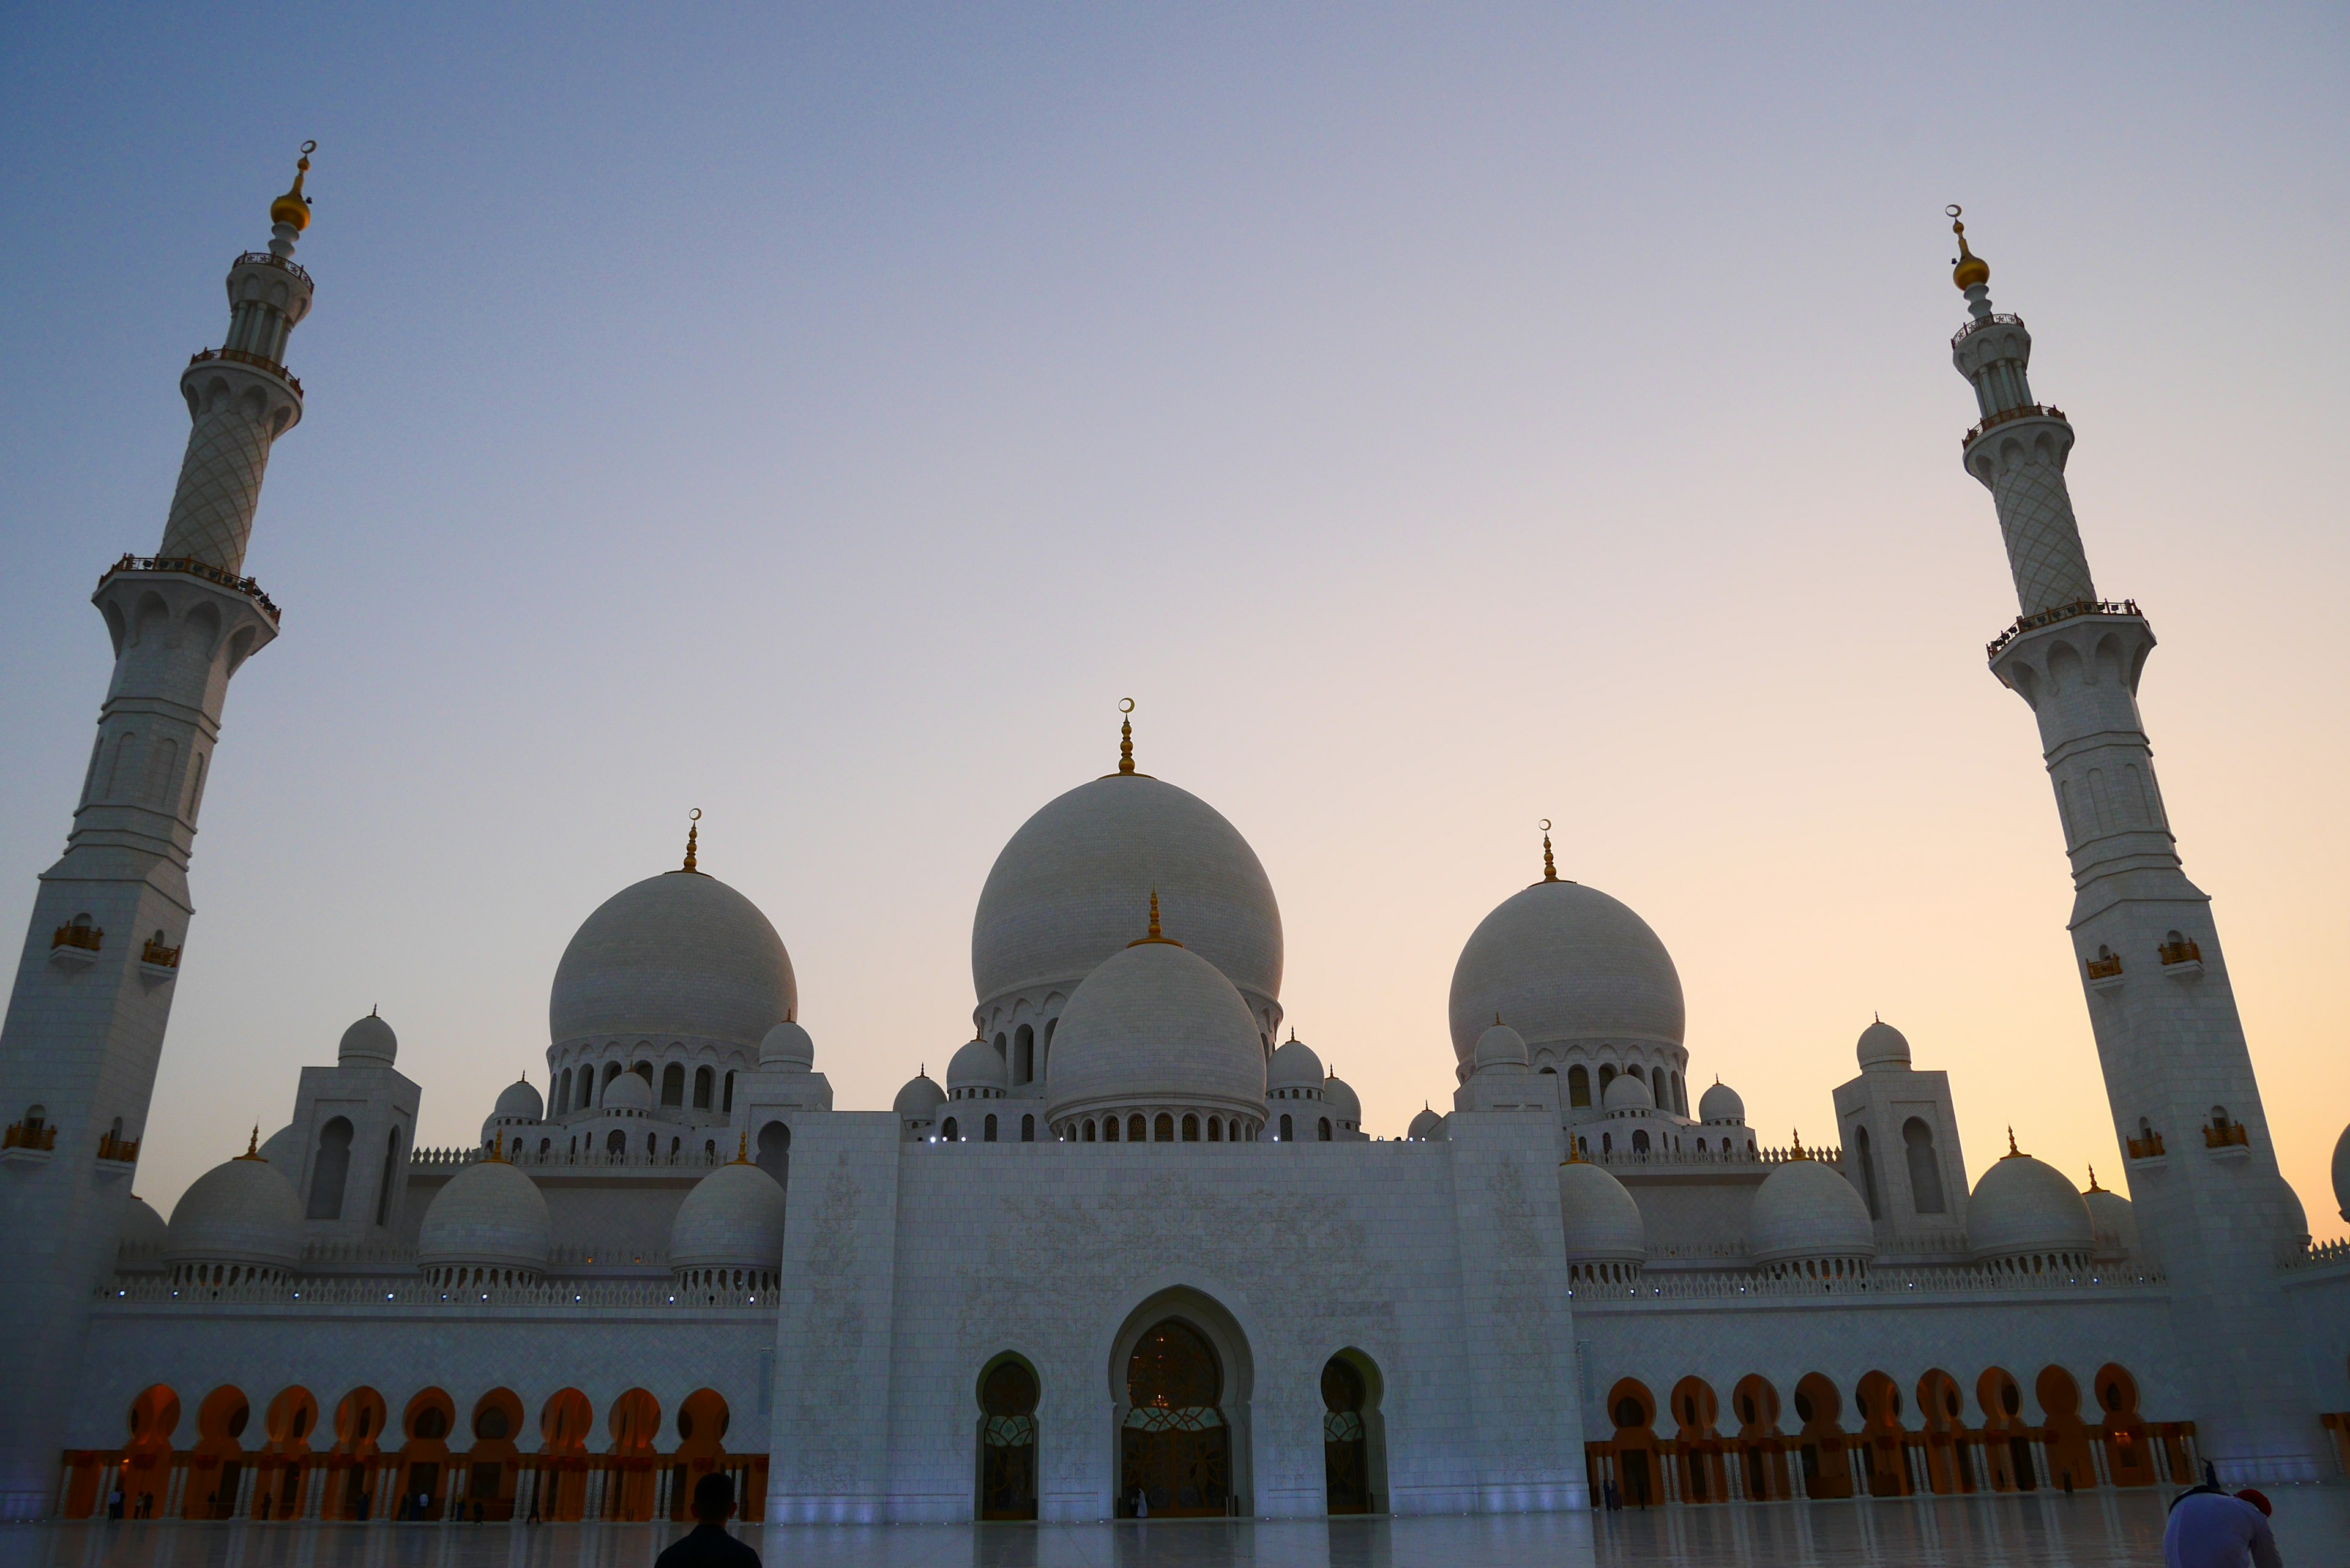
x=1137, y=1254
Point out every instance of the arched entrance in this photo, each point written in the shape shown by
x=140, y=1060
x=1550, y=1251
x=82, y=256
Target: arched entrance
x=1007, y=1439
x=1175, y=1448
x=1354, y=1450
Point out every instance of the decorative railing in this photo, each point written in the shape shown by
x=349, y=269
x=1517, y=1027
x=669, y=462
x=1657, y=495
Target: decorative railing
x=2035, y=622
x=2226, y=1134
x=2106, y=967
x=410, y=1290
x=125, y=1149
x=696, y=1159
x=1971, y=327
x=158, y=955
x=606, y=1252
x=259, y=361
x=85, y=938
x=1699, y=1156
x=2182, y=951
x=1989, y=421
x=29, y=1135
x=2317, y=1254
x=193, y=567
x=263, y=258
x=2146, y=1148
x=1882, y=1283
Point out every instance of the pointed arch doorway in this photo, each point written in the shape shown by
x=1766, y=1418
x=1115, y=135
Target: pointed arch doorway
x=1175, y=1446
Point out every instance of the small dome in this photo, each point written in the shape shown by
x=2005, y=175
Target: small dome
x=629, y=1092
x=240, y=1211
x=2022, y=1206
x=1346, y=1105
x=2341, y=1172
x=1427, y=1127
x=1882, y=1047
x=1565, y=963
x=519, y=1102
x=1500, y=1049
x=1627, y=1092
x=2297, y=1218
x=2113, y=1222
x=1157, y=1024
x=1603, y=1223
x=1721, y=1104
x=369, y=1043
x=1806, y=1209
x=680, y=954
x=787, y=1046
x=142, y=1226
x=490, y=1215
x=733, y=1219
x=918, y=1101
x=1293, y=1067
x=282, y=1148
x=976, y=1066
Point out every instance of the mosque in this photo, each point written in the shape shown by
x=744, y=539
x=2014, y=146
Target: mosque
x=1136, y=1254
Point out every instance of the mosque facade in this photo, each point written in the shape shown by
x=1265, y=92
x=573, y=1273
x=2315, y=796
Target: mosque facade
x=1137, y=1253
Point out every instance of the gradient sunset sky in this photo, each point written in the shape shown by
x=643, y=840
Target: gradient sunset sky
x=1437, y=419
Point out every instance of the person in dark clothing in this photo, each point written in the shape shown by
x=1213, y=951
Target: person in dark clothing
x=707, y=1545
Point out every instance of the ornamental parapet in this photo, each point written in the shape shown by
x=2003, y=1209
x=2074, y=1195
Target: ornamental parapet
x=242, y=356
x=1992, y=422
x=1971, y=327
x=263, y=258
x=37, y=1137
x=407, y=1291
x=88, y=938
x=2039, y=619
x=188, y=565
x=1877, y=1284
x=122, y=1150
x=583, y=1159
x=1702, y=1157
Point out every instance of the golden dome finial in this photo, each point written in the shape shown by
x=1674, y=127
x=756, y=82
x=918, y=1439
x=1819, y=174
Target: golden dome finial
x=295, y=207
x=1550, y=866
x=2012, y=1152
x=1970, y=269
x=1155, y=936
x=1797, y=1152
x=692, y=838
x=2093, y=1180
x=1126, y=743
x=252, y=1146
x=742, y=1148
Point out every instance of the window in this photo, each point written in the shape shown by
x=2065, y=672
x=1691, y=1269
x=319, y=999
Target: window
x=616, y=1145
x=1024, y=1053
x=1285, y=1127
x=1190, y=1129
x=1089, y=1129
x=1867, y=1169
x=1044, y=1057
x=950, y=1131
x=1163, y=1130
x=1109, y=1130
x=331, y=1170
x=708, y=1150
x=1924, y=1169
x=1578, y=1085
x=774, y=1155
x=704, y=1081
x=1027, y=1129
x=391, y=1178
x=1133, y=1128
x=1322, y=1130
x=728, y=1108
x=1215, y=1130
x=672, y=1084
x=1607, y=1076
x=563, y=1091
x=611, y=1071
x=1639, y=1141
x=987, y=1129
x=644, y=1070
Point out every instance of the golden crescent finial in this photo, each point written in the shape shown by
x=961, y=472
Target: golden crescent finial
x=692, y=838
x=294, y=208
x=1970, y=270
x=1126, y=737
x=1126, y=705
x=1550, y=866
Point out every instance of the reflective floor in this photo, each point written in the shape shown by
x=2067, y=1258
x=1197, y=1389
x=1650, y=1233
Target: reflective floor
x=2092, y=1531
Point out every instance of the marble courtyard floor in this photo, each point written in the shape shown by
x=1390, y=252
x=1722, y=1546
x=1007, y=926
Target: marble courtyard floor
x=2092, y=1531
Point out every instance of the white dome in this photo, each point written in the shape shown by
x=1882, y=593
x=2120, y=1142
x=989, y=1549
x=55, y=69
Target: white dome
x=1627, y=1092
x=2113, y=1222
x=1603, y=1224
x=681, y=955
x=1427, y=1127
x=142, y=1226
x=2296, y=1217
x=240, y=1211
x=368, y=1042
x=490, y=1215
x=976, y=1066
x=787, y=1046
x=1881, y=1046
x=1806, y=1209
x=1346, y=1105
x=1293, y=1067
x=733, y=1219
x=1500, y=1049
x=519, y=1102
x=282, y=1148
x=1564, y=963
x=918, y=1101
x=1721, y=1104
x=2022, y=1206
x=629, y=1092
x=2341, y=1172
x=1068, y=892
x=1157, y=1024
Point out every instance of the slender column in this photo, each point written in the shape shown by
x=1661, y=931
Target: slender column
x=2178, y=1077
x=95, y=978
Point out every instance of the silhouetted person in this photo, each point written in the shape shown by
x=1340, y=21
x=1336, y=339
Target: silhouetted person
x=2208, y=1529
x=707, y=1545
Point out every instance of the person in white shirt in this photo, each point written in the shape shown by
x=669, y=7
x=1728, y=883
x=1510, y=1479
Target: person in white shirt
x=2208, y=1529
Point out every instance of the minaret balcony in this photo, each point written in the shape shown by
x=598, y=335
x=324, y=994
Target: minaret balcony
x=189, y=565
x=2146, y=1148
x=28, y=1142
x=2022, y=412
x=75, y=946
x=263, y=258
x=2104, y=970
x=2035, y=622
x=1971, y=327
x=2226, y=1136
x=239, y=356
x=2181, y=958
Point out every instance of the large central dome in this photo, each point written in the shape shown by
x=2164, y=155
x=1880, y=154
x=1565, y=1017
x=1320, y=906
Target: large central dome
x=1560, y=963
x=1066, y=892
x=681, y=955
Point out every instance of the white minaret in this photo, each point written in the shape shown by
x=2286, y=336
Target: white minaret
x=93, y=991
x=2202, y=1172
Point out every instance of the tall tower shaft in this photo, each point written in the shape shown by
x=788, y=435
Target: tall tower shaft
x=93, y=987
x=2178, y=1077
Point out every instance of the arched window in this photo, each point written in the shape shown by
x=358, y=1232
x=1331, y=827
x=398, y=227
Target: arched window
x=1191, y=1128
x=1215, y=1130
x=950, y=1131
x=1109, y=1130
x=1578, y=1085
x=1607, y=1143
x=673, y=1084
x=389, y=1187
x=1284, y=1127
x=1001, y=1045
x=644, y=1070
x=1345, y=1448
x=1044, y=1057
x=1135, y=1128
x=1635, y=1070
x=1607, y=1076
x=563, y=1091
x=2218, y=1115
x=1639, y=1141
x=709, y=1151
x=1089, y=1129
x=611, y=1071
x=652, y=1145
x=1007, y=1437
x=1925, y=1170
x=1027, y=1129
x=1024, y=1053
x=616, y=1145
x=1867, y=1169
x=987, y=1129
x=704, y=1080
x=331, y=1170
x=1162, y=1128
x=1322, y=1130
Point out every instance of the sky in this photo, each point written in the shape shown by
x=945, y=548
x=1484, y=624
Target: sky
x=1435, y=419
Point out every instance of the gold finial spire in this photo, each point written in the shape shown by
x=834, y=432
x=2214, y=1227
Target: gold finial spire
x=1797, y=1152
x=1125, y=742
x=252, y=1146
x=295, y=207
x=2093, y=1180
x=1969, y=268
x=495, y=1156
x=1550, y=866
x=1155, y=936
x=692, y=838
x=2012, y=1152
x=742, y=1148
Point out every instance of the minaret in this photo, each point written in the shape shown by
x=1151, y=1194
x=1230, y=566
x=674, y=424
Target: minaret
x=93, y=990
x=2202, y=1171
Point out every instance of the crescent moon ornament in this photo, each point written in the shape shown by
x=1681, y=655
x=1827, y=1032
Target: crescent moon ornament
x=1545, y=825
x=695, y=815
x=309, y=148
x=1952, y=211
x=1125, y=705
